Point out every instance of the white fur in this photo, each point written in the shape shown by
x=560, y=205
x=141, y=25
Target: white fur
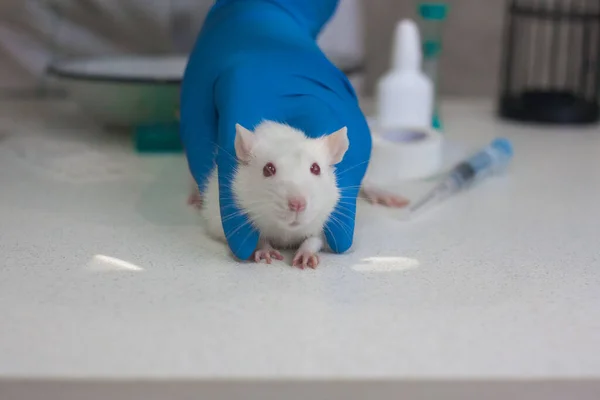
x=265, y=199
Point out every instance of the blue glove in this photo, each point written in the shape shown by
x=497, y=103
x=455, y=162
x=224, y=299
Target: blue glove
x=256, y=60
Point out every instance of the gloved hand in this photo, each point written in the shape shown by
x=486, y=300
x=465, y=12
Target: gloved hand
x=256, y=60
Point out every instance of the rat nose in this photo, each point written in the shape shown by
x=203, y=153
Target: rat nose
x=297, y=204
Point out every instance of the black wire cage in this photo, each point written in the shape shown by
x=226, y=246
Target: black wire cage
x=551, y=69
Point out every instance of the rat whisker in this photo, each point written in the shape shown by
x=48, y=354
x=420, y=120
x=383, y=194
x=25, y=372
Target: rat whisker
x=337, y=212
x=258, y=212
x=351, y=168
x=341, y=214
x=346, y=206
x=224, y=150
x=344, y=192
x=248, y=236
x=348, y=194
x=230, y=176
x=234, y=215
x=240, y=211
x=236, y=230
x=336, y=223
x=348, y=202
x=345, y=189
x=235, y=204
x=233, y=232
x=340, y=224
x=351, y=193
x=350, y=187
x=350, y=212
x=331, y=234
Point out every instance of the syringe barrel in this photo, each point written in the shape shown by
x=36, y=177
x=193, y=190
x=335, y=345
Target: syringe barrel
x=485, y=162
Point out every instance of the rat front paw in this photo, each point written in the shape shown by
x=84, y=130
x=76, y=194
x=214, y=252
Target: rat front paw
x=304, y=259
x=378, y=196
x=267, y=254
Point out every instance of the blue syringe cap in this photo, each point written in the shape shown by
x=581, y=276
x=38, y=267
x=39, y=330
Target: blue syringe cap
x=503, y=145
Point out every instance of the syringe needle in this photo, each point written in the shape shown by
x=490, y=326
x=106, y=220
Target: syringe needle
x=438, y=193
x=423, y=201
x=483, y=163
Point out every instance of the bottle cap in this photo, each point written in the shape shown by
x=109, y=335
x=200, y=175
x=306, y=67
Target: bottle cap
x=433, y=11
x=407, y=46
x=405, y=93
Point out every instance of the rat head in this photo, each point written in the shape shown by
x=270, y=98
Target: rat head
x=286, y=181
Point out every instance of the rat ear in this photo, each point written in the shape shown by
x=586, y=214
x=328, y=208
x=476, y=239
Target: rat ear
x=337, y=143
x=244, y=142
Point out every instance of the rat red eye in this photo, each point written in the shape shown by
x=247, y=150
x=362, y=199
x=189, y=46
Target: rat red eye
x=315, y=169
x=269, y=170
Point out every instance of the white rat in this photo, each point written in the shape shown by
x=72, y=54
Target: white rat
x=286, y=184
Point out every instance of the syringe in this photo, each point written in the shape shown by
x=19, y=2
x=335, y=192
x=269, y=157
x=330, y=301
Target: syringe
x=488, y=161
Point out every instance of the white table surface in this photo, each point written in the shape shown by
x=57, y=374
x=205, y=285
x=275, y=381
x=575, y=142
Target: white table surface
x=106, y=273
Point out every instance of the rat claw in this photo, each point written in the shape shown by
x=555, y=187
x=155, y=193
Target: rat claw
x=267, y=255
x=276, y=255
x=260, y=255
x=313, y=261
x=297, y=261
x=303, y=260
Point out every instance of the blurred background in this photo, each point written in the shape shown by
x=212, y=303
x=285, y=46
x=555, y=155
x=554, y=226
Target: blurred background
x=472, y=35
x=34, y=33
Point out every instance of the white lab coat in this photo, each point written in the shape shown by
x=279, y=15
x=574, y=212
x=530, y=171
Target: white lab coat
x=33, y=33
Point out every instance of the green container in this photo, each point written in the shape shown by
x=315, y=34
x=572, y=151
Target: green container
x=432, y=17
x=158, y=138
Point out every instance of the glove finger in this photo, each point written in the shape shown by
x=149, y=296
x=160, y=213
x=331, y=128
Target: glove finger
x=339, y=229
x=241, y=235
x=198, y=125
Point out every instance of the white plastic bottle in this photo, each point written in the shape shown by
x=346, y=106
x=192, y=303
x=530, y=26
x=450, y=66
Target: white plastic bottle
x=405, y=93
